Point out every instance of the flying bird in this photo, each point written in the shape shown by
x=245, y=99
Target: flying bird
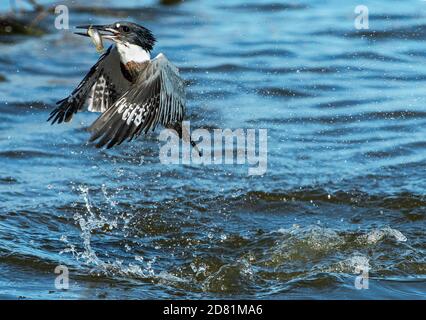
x=134, y=92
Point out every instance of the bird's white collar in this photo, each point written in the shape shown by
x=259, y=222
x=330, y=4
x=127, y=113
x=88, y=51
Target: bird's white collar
x=131, y=52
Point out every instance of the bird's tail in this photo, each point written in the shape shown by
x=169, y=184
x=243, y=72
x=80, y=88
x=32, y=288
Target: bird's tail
x=178, y=128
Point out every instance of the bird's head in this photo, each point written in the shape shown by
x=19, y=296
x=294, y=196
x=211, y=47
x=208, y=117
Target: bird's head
x=124, y=33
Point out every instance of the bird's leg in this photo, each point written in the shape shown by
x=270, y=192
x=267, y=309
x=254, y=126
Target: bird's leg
x=178, y=128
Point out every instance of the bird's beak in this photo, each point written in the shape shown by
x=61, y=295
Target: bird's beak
x=107, y=32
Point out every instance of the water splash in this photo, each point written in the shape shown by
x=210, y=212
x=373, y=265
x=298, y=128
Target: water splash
x=386, y=232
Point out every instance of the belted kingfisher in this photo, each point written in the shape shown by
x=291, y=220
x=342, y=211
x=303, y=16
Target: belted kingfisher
x=133, y=92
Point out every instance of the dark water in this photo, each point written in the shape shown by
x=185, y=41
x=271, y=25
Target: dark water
x=346, y=180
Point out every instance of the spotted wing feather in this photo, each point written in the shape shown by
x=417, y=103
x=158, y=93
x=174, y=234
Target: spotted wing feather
x=102, y=85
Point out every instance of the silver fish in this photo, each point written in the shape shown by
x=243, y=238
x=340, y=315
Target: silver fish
x=96, y=38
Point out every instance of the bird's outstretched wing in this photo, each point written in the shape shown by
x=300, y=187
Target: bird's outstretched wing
x=103, y=85
x=157, y=97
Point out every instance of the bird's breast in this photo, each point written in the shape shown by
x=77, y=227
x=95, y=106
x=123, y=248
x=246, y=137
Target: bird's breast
x=131, y=70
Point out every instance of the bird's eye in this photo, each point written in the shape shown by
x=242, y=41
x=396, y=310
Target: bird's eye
x=125, y=28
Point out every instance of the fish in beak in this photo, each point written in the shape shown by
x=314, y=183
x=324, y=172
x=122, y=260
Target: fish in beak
x=97, y=33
